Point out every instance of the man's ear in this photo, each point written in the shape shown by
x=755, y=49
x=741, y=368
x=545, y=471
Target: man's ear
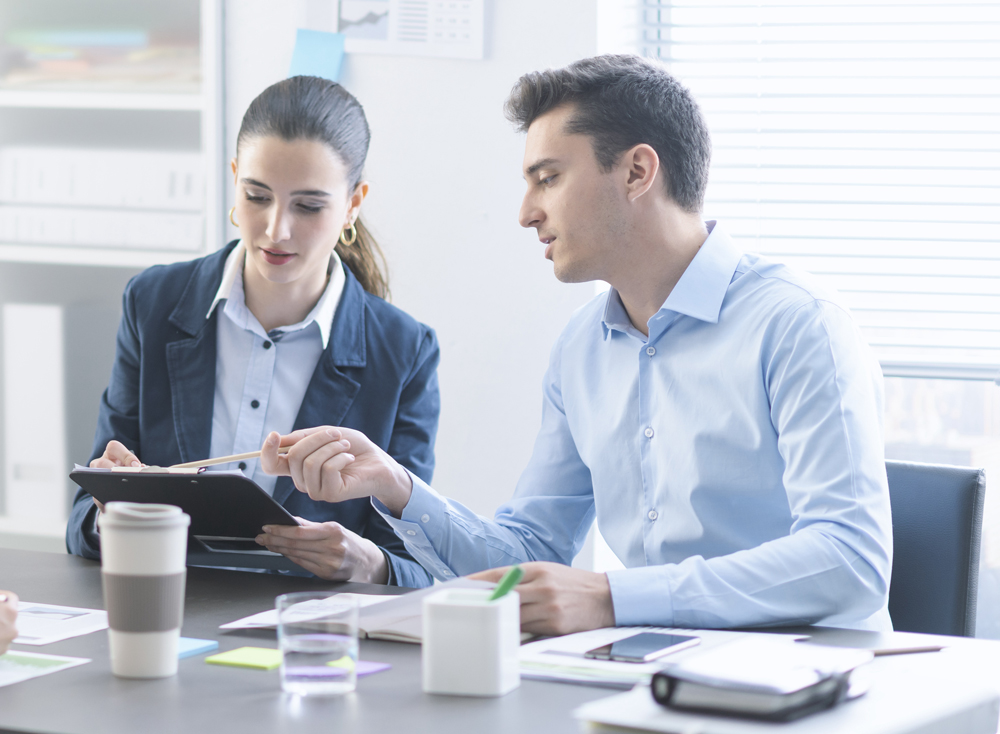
x=642, y=166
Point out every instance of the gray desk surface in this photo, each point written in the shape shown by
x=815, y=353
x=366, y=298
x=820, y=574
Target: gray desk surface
x=221, y=699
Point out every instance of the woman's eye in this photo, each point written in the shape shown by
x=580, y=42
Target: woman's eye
x=251, y=197
x=312, y=209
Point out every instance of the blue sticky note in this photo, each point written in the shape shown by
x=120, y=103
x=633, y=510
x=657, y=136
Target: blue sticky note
x=317, y=53
x=188, y=646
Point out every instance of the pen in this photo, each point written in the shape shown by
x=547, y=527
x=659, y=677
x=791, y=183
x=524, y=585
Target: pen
x=508, y=582
x=225, y=459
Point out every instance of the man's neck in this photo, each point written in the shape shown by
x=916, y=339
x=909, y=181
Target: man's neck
x=657, y=257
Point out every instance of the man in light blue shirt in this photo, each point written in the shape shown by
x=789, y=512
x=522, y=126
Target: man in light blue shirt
x=719, y=414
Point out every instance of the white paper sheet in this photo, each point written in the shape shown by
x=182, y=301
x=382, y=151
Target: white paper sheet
x=16, y=665
x=41, y=624
x=561, y=658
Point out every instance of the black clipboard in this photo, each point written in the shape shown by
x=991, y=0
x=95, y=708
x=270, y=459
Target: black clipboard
x=227, y=511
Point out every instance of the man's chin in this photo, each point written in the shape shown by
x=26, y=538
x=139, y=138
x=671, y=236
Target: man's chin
x=567, y=273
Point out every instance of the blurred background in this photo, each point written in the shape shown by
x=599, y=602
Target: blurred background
x=860, y=142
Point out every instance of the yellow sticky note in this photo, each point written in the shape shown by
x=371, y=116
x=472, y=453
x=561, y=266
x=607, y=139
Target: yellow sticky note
x=260, y=658
x=346, y=662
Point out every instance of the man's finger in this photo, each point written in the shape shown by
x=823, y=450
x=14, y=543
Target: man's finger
x=493, y=574
x=312, y=467
x=315, y=531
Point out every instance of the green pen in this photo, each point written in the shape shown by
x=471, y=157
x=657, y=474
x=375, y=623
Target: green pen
x=508, y=582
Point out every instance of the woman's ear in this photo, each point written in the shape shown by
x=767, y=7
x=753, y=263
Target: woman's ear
x=232, y=164
x=358, y=196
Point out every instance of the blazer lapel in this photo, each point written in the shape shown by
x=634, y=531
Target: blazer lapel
x=331, y=391
x=191, y=359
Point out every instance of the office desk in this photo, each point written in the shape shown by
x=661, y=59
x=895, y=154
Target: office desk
x=209, y=698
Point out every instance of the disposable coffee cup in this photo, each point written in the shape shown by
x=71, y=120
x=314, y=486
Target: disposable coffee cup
x=143, y=567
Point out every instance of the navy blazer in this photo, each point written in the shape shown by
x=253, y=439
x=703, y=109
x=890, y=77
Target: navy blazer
x=378, y=374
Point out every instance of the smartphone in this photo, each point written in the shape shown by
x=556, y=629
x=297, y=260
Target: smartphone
x=642, y=648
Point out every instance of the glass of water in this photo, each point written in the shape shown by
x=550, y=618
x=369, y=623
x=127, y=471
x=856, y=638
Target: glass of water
x=318, y=639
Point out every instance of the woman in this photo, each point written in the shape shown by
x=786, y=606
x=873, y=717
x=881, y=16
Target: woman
x=286, y=327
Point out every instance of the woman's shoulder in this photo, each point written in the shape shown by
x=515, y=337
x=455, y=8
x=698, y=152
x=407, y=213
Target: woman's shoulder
x=388, y=325
x=159, y=285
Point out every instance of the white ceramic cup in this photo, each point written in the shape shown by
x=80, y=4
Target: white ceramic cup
x=143, y=567
x=470, y=644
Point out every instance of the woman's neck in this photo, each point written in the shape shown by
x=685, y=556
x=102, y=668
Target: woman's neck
x=282, y=304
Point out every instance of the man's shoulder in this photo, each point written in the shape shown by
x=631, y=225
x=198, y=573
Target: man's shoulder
x=777, y=287
x=586, y=322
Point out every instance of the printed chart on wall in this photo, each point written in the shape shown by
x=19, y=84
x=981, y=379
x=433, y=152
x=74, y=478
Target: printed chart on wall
x=451, y=28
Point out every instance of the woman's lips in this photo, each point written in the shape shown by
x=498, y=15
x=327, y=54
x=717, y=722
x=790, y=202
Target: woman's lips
x=277, y=257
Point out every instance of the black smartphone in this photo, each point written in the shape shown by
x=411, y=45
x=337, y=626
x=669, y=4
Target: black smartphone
x=642, y=648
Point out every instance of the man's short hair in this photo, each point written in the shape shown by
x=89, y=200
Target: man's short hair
x=621, y=101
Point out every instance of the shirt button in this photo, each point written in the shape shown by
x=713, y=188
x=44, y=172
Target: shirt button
x=648, y=432
x=254, y=404
x=650, y=351
x=652, y=515
x=243, y=465
x=411, y=532
x=267, y=345
x=425, y=518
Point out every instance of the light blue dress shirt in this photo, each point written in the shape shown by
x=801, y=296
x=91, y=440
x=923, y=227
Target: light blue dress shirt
x=734, y=459
x=261, y=377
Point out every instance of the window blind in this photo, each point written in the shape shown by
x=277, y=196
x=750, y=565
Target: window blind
x=860, y=142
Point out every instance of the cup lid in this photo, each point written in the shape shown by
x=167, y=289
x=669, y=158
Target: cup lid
x=141, y=515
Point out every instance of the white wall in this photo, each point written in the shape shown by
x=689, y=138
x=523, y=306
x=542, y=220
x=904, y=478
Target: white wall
x=446, y=186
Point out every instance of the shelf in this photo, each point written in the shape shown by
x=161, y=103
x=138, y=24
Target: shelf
x=31, y=253
x=100, y=100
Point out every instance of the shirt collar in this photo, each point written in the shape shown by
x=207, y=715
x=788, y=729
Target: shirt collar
x=322, y=313
x=701, y=289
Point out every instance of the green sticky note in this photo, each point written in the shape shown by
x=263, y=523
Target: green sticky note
x=260, y=658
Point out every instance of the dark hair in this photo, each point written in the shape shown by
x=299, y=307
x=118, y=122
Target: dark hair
x=312, y=108
x=621, y=101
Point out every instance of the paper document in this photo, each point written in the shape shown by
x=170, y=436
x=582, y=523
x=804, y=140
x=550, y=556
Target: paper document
x=382, y=617
x=16, y=666
x=413, y=27
x=562, y=658
x=40, y=624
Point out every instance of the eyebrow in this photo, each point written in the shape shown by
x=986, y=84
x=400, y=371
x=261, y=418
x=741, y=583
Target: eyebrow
x=539, y=164
x=303, y=192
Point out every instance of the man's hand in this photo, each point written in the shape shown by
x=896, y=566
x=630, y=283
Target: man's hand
x=8, y=616
x=329, y=550
x=115, y=454
x=558, y=599
x=337, y=464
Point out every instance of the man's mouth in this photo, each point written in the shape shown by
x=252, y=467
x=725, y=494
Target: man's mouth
x=547, y=241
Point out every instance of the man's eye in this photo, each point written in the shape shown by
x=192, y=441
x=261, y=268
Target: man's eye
x=547, y=180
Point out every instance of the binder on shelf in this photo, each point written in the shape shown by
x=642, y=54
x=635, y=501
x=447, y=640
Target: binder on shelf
x=139, y=230
x=115, y=179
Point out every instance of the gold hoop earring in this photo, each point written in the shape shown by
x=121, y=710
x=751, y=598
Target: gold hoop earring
x=231, y=217
x=353, y=236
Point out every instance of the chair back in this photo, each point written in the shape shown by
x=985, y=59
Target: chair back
x=937, y=520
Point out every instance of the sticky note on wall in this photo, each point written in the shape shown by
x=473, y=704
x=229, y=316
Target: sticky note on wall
x=317, y=53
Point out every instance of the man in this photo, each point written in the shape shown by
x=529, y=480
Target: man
x=718, y=412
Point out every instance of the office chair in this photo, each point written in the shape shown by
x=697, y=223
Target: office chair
x=937, y=520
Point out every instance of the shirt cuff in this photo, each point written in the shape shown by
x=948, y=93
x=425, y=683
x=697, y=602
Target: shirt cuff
x=424, y=517
x=641, y=597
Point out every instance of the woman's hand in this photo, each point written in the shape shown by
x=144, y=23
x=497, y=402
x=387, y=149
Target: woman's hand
x=329, y=550
x=337, y=464
x=114, y=455
x=8, y=616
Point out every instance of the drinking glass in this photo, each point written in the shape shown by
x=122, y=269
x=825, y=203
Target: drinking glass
x=318, y=639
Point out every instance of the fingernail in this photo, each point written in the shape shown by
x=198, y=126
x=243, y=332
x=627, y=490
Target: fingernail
x=260, y=540
x=350, y=457
x=331, y=432
x=136, y=462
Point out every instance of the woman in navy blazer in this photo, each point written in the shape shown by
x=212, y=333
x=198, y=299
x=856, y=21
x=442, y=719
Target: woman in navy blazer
x=301, y=150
